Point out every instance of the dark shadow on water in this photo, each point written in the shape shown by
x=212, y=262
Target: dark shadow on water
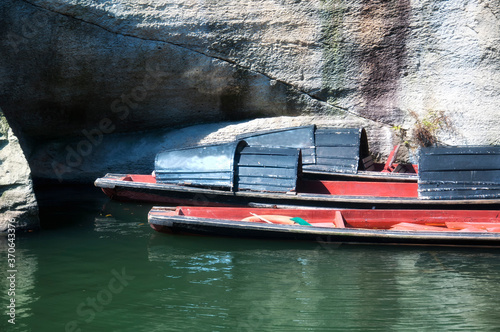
x=201, y=243
x=77, y=205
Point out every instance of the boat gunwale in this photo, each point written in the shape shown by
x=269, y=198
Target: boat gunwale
x=111, y=181
x=171, y=220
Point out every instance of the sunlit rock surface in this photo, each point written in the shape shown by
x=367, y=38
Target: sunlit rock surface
x=18, y=204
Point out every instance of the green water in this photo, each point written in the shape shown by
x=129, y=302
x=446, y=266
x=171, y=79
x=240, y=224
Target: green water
x=97, y=266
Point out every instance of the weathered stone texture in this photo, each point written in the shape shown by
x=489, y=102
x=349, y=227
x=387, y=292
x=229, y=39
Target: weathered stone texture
x=454, y=67
x=146, y=68
x=18, y=204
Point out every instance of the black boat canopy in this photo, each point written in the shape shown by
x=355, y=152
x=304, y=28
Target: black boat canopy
x=336, y=150
x=467, y=172
x=233, y=166
x=295, y=137
x=206, y=165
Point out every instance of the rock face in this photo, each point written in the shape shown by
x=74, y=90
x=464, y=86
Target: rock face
x=18, y=204
x=89, y=69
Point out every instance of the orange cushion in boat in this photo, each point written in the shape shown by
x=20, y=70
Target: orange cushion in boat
x=275, y=219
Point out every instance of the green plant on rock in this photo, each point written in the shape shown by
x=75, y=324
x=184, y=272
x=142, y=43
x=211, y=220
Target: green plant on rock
x=425, y=131
x=426, y=128
x=402, y=134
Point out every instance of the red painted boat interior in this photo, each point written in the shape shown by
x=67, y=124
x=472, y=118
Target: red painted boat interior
x=409, y=220
x=408, y=168
x=357, y=188
x=338, y=188
x=146, y=178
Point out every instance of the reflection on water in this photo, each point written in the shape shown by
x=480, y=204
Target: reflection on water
x=17, y=283
x=105, y=269
x=287, y=287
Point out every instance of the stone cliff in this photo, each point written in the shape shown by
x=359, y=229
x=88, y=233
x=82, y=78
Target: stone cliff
x=150, y=64
x=86, y=82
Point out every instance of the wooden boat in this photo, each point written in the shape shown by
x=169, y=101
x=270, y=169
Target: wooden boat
x=320, y=193
x=334, y=153
x=415, y=227
x=237, y=174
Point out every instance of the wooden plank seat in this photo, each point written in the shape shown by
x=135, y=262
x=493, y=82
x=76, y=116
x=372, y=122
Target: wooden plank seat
x=368, y=164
